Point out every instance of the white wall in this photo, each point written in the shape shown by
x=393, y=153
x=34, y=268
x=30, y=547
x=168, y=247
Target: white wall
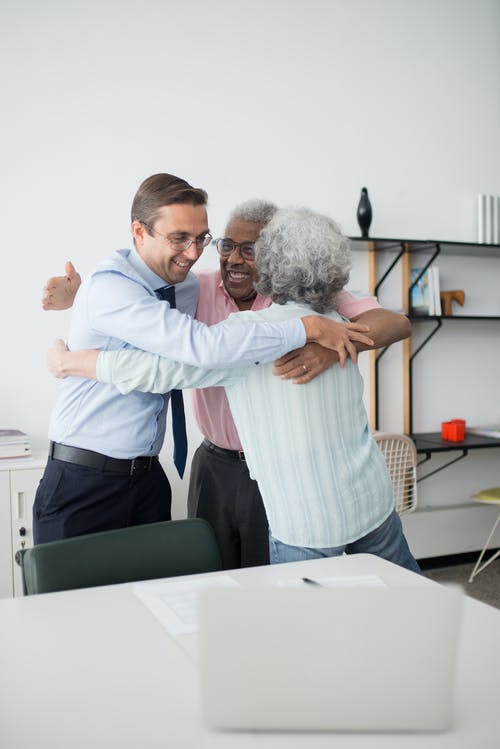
x=300, y=101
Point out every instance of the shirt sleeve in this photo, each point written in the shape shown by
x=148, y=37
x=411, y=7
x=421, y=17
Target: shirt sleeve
x=121, y=308
x=350, y=304
x=131, y=369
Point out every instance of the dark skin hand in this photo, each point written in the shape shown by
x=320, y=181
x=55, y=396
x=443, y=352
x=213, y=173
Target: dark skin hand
x=303, y=365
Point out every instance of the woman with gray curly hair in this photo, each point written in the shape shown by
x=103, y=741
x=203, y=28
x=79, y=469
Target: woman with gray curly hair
x=303, y=257
x=323, y=480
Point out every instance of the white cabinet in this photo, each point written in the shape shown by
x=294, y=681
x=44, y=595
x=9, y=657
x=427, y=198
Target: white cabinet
x=19, y=480
x=6, y=582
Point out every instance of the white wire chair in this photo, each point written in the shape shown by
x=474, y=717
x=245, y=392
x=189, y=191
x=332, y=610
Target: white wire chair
x=400, y=455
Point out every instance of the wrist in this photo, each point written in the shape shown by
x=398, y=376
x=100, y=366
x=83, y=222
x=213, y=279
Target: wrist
x=79, y=363
x=310, y=323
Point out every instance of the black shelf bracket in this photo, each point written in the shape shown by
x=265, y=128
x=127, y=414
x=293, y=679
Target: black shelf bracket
x=428, y=456
x=433, y=332
x=390, y=268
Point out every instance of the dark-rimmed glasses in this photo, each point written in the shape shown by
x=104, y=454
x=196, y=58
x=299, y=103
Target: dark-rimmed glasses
x=226, y=247
x=180, y=243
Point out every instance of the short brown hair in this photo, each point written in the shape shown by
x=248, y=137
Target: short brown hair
x=163, y=189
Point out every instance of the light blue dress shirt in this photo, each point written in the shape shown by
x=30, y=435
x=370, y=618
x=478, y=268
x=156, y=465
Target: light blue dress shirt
x=323, y=479
x=116, y=308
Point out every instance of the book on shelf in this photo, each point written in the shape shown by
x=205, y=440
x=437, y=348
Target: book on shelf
x=492, y=430
x=14, y=444
x=435, y=290
x=425, y=299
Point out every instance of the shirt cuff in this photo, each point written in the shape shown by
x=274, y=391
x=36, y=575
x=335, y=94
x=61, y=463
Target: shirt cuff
x=295, y=333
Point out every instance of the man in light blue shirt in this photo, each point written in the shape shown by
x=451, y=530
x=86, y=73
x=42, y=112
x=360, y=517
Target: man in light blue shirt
x=323, y=480
x=103, y=471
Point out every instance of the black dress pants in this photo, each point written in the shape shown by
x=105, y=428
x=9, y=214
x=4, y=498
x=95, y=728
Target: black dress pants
x=72, y=500
x=222, y=492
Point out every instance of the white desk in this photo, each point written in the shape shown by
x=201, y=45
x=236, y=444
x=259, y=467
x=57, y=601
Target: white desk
x=94, y=669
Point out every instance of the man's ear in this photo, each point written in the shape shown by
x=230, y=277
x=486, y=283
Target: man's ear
x=138, y=233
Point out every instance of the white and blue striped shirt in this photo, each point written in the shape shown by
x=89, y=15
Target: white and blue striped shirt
x=323, y=480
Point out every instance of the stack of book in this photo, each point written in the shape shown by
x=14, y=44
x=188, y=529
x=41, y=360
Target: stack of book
x=14, y=444
x=425, y=299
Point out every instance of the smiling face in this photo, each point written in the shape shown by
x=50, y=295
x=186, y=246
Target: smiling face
x=174, y=222
x=238, y=273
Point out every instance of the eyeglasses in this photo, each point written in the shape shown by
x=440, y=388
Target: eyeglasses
x=180, y=243
x=226, y=247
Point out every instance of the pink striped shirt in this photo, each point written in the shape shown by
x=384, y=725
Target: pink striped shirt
x=210, y=405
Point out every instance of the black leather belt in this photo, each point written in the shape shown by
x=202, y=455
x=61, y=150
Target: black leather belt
x=235, y=454
x=91, y=459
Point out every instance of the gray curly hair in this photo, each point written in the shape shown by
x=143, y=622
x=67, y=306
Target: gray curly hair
x=302, y=256
x=256, y=210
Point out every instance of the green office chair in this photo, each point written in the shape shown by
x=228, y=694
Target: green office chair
x=141, y=552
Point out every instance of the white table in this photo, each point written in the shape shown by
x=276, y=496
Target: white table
x=95, y=669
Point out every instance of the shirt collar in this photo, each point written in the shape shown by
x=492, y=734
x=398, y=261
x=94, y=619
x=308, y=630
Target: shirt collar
x=145, y=272
x=259, y=302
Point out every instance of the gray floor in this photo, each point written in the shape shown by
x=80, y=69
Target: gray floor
x=485, y=587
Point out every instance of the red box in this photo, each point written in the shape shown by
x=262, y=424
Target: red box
x=453, y=431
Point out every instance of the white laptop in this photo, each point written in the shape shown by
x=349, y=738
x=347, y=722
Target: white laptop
x=340, y=659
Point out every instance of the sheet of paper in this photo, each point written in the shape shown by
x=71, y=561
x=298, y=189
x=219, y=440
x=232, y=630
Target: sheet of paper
x=174, y=602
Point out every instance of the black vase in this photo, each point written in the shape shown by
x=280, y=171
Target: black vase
x=364, y=212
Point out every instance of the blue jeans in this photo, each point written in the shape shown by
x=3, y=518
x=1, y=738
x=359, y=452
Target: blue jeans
x=386, y=541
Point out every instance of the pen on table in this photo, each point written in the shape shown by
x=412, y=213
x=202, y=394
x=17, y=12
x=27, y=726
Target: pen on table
x=311, y=582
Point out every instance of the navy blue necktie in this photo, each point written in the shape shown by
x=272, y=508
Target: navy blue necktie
x=177, y=403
